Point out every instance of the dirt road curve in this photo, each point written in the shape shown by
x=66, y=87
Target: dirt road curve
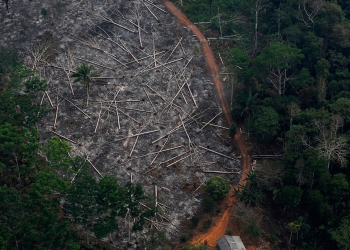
x=220, y=223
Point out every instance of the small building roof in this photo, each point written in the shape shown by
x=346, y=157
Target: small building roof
x=228, y=242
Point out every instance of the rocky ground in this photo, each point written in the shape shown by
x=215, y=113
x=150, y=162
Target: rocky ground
x=145, y=117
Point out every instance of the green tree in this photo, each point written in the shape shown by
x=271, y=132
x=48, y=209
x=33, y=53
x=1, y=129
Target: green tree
x=217, y=187
x=342, y=107
x=97, y=204
x=297, y=226
x=290, y=196
x=250, y=104
x=84, y=75
x=277, y=59
x=28, y=224
x=8, y=58
x=342, y=233
x=208, y=204
x=57, y=154
x=232, y=130
x=265, y=123
x=19, y=108
x=338, y=187
x=18, y=159
x=250, y=193
x=240, y=61
x=322, y=70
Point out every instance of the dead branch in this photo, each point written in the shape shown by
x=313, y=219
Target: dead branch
x=210, y=150
x=48, y=97
x=110, y=20
x=149, y=2
x=97, y=64
x=63, y=137
x=174, y=49
x=209, y=122
x=198, y=187
x=137, y=137
x=128, y=116
x=162, y=65
x=214, y=125
x=175, y=157
x=150, y=11
x=134, y=24
x=178, y=160
x=98, y=119
x=94, y=167
x=219, y=172
x=149, y=99
x=54, y=124
x=93, y=44
x=143, y=133
x=146, y=111
x=159, y=151
x=139, y=28
x=183, y=51
x=189, y=139
x=76, y=107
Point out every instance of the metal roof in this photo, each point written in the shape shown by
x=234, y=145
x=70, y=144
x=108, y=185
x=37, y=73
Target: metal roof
x=228, y=242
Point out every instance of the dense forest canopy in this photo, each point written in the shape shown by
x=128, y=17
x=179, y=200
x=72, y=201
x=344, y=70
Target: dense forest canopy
x=291, y=61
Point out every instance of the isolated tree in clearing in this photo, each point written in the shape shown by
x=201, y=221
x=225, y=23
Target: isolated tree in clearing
x=84, y=75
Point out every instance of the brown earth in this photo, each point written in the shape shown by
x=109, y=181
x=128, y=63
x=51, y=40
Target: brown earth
x=224, y=219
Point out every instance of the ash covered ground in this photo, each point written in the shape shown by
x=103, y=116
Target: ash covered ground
x=145, y=117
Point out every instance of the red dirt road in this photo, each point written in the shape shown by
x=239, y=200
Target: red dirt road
x=221, y=222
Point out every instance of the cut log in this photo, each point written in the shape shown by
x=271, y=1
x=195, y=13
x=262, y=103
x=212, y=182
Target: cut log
x=63, y=137
x=219, y=172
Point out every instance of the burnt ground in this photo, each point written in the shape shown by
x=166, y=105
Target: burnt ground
x=147, y=99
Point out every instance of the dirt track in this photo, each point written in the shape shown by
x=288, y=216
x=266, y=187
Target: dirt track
x=220, y=223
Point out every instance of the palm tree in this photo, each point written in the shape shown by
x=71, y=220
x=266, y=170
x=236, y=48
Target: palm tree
x=84, y=75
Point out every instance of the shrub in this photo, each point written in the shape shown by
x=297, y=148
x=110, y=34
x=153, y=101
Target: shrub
x=207, y=204
x=43, y=11
x=252, y=229
x=195, y=220
x=196, y=50
x=186, y=236
x=232, y=131
x=206, y=224
x=217, y=187
x=229, y=231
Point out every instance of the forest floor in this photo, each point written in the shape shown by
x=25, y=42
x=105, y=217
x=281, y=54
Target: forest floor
x=222, y=221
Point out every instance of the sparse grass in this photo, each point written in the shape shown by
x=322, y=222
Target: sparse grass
x=197, y=50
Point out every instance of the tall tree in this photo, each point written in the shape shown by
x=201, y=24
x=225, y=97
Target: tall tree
x=341, y=234
x=265, y=123
x=277, y=59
